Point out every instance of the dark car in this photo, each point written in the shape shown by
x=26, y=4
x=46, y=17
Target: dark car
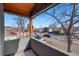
x=46, y=35
x=38, y=37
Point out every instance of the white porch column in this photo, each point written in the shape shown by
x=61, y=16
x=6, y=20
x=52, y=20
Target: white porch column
x=1, y=30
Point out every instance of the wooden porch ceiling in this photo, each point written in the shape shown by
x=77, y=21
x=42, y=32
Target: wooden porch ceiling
x=26, y=9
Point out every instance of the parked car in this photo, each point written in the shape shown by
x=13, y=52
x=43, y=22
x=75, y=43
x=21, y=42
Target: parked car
x=47, y=35
x=37, y=36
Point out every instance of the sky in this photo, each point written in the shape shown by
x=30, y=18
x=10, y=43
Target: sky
x=42, y=20
x=10, y=20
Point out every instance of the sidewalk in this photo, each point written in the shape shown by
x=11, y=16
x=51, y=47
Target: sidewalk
x=75, y=42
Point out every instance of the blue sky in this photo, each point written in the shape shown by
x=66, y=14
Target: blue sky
x=9, y=20
x=41, y=20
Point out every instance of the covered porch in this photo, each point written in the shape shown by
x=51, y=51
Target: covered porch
x=33, y=46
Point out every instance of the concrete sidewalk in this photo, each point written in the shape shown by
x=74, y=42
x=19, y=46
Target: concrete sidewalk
x=75, y=42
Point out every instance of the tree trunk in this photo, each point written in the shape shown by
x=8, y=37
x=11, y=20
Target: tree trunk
x=69, y=44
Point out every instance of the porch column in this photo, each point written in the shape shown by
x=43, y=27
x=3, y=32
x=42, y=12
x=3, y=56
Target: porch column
x=30, y=28
x=1, y=30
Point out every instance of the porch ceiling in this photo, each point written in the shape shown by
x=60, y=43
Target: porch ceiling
x=26, y=9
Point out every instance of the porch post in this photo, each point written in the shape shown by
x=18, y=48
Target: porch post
x=1, y=30
x=30, y=28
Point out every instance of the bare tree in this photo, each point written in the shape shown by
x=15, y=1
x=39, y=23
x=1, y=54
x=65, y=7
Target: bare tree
x=67, y=25
x=20, y=21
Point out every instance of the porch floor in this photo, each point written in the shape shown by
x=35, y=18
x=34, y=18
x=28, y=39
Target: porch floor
x=29, y=53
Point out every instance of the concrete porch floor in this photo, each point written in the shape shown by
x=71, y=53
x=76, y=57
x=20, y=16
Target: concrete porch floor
x=29, y=53
x=26, y=53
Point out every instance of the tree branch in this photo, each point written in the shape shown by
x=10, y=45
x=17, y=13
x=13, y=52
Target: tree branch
x=76, y=22
x=58, y=21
